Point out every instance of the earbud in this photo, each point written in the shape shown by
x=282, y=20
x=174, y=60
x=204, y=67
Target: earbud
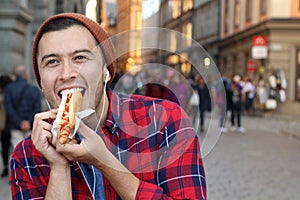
x=107, y=76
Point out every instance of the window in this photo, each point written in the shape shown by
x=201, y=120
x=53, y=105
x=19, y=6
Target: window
x=59, y=6
x=175, y=6
x=263, y=6
x=237, y=13
x=150, y=7
x=226, y=17
x=173, y=41
x=187, y=31
x=187, y=5
x=91, y=9
x=248, y=10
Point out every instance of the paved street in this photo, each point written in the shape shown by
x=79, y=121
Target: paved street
x=261, y=164
x=4, y=186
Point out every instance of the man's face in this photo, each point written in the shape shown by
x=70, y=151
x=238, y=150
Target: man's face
x=68, y=59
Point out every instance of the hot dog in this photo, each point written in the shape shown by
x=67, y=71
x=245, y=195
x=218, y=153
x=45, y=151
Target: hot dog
x=70, y=104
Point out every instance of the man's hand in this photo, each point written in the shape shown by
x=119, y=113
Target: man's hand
x=92, y=149
x=44, y=141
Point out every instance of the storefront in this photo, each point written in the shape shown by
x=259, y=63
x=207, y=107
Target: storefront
x=282, y=60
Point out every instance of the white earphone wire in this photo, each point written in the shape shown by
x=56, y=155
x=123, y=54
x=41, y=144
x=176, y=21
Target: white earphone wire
x=104, y=93
x=48, y=104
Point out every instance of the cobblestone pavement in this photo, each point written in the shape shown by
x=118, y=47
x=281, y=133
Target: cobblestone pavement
x=261, y=164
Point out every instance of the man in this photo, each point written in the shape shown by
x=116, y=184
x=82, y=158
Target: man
x=143, y=147
x=5, y=79
x=204, y=101
x=22, y=102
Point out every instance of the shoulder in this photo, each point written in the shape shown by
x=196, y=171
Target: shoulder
x=163, y=111
x=11, y=85
x=33, y=88
x=149, y=102
x=23, y=146
x=144, y=109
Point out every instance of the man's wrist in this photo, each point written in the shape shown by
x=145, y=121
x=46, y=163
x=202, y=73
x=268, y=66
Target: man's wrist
x=59, y=168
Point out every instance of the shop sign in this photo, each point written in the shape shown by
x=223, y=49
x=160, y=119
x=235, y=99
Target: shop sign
x=259, y=47
x=251, y=65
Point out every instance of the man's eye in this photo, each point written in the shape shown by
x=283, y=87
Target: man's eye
x=51, y=62
x=80, y=58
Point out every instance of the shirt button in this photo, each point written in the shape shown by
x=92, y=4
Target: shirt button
x=89, y=198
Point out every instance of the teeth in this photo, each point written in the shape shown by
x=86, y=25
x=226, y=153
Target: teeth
x=73, y=90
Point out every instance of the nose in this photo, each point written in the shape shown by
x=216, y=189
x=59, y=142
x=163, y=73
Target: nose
x=69, y=71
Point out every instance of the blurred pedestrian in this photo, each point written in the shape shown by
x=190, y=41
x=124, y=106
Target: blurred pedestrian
x=22, y=101
x=179, y=91
x=249, y=92
x=236, y=89
x=154, y=86
x=229, y=94
x=204, y=101
x=193, y=104
x=5, y=131
x=128, y=83
x=262, y=92
x=219, y=93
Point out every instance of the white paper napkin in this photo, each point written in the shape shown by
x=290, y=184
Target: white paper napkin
x=78, y=116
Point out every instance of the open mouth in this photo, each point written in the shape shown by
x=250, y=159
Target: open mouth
x=71, y=90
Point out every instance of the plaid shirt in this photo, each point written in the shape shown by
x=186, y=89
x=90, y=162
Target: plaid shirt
x=153, y=138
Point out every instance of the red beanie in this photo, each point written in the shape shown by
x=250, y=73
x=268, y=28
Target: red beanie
x=96, y=30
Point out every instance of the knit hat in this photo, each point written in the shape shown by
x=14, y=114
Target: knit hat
x=96, y=30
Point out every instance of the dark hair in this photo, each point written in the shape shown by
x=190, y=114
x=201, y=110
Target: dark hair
x=59, y=24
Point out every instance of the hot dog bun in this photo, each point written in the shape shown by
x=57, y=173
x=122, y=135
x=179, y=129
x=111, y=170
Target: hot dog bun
x=70, y=104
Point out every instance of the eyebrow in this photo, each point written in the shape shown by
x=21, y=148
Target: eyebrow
x=74, y=52
x=81, y=51
x=47, y=56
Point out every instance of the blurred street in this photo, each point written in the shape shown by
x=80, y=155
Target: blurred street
x=5, y=193
x=260, y=164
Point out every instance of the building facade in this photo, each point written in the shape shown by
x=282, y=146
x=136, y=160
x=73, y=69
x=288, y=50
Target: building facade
x=176, y=16
x=128, y=38
x=19, y=21
x=277, y=23
x=14, y=20
x=206, y=29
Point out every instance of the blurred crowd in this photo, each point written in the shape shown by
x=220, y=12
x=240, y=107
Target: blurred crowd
x=233, y=96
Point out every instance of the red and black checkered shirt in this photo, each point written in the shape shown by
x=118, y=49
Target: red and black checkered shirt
x=153, y=138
